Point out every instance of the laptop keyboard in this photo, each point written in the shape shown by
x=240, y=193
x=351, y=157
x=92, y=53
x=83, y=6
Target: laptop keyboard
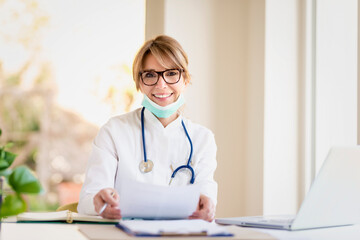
x=280, y=221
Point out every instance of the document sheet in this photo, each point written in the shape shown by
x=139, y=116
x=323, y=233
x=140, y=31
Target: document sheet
x=196, y=227
x=145, y=201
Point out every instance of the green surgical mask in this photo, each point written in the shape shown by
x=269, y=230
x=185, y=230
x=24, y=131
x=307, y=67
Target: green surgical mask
x=163, y=112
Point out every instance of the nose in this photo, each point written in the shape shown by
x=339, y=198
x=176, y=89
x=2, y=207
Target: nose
x=161, y=83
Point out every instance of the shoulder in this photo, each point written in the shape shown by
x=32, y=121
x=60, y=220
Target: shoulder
x=198, y=130
x=203, y=139
x=120, y=125
x=124, y=119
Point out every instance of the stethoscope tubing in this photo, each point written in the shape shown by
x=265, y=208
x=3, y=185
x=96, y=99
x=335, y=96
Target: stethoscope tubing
x=143, y=133
x=192, y=180
x=191, y=145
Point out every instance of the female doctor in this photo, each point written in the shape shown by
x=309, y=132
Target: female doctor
x=153, y=144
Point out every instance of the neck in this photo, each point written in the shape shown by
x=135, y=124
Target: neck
x=167, y=121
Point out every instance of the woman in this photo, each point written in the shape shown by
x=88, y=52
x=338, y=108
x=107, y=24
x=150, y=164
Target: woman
x=160, y=71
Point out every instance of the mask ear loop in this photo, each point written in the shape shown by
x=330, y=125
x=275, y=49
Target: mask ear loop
x=192, y=180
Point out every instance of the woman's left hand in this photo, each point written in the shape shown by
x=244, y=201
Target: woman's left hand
x=205, y=209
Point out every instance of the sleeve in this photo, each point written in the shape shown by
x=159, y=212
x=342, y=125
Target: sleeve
x=100, y=171
x=206, y=166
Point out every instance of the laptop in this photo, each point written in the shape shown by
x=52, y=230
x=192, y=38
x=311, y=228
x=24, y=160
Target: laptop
x=333, y=198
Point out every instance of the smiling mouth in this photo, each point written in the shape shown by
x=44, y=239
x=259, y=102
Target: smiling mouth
x=162, y=95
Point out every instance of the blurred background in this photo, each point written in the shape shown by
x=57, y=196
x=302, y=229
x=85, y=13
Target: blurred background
x=275, y=80
x=65, y=68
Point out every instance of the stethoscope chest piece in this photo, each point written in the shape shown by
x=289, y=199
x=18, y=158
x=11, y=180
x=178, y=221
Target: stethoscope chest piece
x=146, y=167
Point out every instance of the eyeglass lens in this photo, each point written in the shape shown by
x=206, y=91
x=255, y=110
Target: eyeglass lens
x=170, y=76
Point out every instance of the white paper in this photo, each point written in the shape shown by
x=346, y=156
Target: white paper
x=141, y=200
x=153, y=227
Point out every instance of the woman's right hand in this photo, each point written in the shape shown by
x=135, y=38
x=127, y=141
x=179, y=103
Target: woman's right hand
x=109, y=196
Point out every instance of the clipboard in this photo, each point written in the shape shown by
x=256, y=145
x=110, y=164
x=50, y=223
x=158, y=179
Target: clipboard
x=98, y=231
x=172, y=228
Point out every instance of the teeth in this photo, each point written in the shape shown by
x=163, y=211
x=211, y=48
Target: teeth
x=162, y=95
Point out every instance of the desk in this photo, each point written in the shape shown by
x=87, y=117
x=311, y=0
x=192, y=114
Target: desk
x=334, y=233
x=40, y=231
x=64, y=231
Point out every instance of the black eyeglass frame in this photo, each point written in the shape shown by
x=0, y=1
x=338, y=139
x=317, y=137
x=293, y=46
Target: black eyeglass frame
x=161, y=73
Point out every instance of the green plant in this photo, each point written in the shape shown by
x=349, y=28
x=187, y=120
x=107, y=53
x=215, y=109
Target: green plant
x=19, y=180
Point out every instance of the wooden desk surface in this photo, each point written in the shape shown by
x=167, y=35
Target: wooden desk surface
x=64, y=231
x=112, y=233
x=40, y=231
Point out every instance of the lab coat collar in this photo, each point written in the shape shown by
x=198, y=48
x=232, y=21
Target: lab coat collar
x=155, y=123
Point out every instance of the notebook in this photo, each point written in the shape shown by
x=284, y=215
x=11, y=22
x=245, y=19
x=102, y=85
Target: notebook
x=333, y=199
x=61, y=216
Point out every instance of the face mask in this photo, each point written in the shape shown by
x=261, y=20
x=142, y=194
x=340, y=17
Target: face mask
x=163, y=112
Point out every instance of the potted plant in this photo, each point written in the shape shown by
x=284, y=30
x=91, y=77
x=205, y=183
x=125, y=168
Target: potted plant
x=15, y=182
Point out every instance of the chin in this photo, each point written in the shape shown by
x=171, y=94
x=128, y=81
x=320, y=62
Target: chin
x=163, y=103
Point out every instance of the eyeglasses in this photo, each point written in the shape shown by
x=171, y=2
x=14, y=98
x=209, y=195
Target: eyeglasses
x=170, y=76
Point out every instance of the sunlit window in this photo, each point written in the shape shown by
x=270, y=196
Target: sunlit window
x=65, y=69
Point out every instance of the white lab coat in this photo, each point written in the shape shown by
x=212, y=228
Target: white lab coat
x=117, y=153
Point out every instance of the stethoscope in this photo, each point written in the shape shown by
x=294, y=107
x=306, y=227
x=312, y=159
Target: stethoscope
x=147, y=165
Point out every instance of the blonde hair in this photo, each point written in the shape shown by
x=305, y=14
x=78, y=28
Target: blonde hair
x=167, y=51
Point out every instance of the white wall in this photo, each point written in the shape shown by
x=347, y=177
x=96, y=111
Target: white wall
x=253, y=84
x=336, y=75
x=195, y=32
x=216, y=97
x=225, y=43
x=253, y=164
x=310, y=93
x=281, y=107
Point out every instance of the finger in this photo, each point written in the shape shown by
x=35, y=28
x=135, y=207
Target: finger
x=114, y=215
x=204, y=201
x=198, y=214
x=195, y=214
x=194, y=217
x=210, y=215
x=111, y=216
x=105, y=196
x=116, y=197
x=108, y=197
x=98, y=202
x=198, y=207
x=208, y=208
x=111, y=213
x=205, y=214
